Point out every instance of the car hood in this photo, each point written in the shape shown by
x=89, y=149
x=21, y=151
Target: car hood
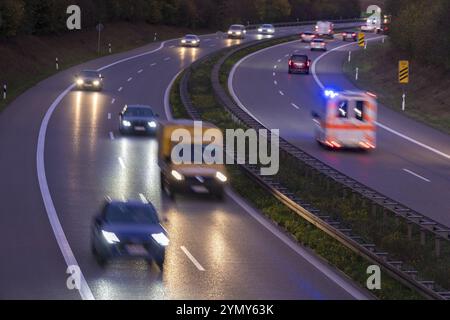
x=139, y=118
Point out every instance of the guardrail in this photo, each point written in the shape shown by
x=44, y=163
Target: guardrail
x=302, y=23
x=396, y=269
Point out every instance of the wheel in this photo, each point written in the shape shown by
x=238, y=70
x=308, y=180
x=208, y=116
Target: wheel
x=101, y=260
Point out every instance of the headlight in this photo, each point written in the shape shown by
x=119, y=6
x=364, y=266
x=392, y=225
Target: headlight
x=194, y=42
x=126, y=123
x=152, y=124
x=221, y=176
x=183, y=41
x=238, y=33
x=96, y=83
x=80, y=82
x=161, y=238
x=230, y=32
x=260, y=30
x=178, y=176
x=110, y=237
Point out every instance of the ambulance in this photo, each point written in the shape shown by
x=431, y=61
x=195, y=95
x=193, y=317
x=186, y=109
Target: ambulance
x=347, y=120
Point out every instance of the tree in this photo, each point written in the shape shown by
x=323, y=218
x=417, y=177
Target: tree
x=11, y=17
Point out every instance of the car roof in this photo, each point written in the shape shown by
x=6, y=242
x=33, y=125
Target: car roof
x=267, y=25
x=138, y=106
x=190, y=35
x=237, y=26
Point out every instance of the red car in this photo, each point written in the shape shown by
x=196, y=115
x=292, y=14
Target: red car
x=299, y=63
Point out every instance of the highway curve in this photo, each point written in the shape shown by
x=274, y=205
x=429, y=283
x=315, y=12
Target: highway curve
x=412, y=162
x=62, y=146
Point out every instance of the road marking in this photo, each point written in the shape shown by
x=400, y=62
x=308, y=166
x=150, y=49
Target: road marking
x=329, y=272
x=212, y=45
x=295, y=106
x=140, y=71
x=122, y=164
x=143, y=198
x=287, y=55
x=281, y=93
x=416, y=175
x=113, y=101
x=109, y=116
x=207, y=40
x=275, y=66
x=167, y=59
x=167, y=107
x=129, y=79
x=64, y=246
x=275, y=82
x=279, y=60
x=193, y=260
x=274, y=74
x=172, y=46
x=120, y=89
x=401, y=135
x=111, y=136
x=153, y=64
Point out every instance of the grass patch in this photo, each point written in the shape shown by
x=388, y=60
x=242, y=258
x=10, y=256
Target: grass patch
x=428, y=97
x=332, y=251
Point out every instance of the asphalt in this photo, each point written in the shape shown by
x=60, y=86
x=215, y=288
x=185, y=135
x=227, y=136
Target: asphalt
x=217, y=251
x=412, y=162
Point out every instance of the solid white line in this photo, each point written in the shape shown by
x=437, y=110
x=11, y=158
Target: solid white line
x=129, y=79
x=281, y=93
x=120, y=89
x=153, y=64
x=193, y=260
x=295, y=106
x=113, y=101
x=329, y=272
x=122, y=164
x=111, y=136
x=143, y=198
x=69, y=258
x=140, y=71
x=109, y=116
x=322, y=86
x=416, y=175
x=63, y=244
x=167, y=107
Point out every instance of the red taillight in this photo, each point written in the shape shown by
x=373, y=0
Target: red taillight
x=290, y=63
x=308, y=63
x=344, y=34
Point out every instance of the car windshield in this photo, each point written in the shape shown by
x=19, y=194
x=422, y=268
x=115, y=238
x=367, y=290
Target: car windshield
x=299, y=58
x=236, y=28
x=308, y=33
x=139, y=112
x=191, y=37
x=318, y=40
x=89, y=74
x=268, y=26
x=126, y=213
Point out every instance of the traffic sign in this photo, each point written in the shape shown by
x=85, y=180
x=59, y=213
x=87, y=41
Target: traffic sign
x=403, y=71
x=361, y=40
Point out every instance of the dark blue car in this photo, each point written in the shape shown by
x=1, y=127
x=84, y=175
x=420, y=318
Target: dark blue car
x=129, y=230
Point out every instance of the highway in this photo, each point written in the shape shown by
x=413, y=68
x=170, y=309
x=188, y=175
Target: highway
x=412, y=162
x=63, y=154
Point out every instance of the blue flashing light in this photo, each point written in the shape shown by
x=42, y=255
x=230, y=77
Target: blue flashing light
x=330, y=94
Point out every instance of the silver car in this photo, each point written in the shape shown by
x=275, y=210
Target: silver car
x=190, y=40
x=138, y=119
x=266, y=29
x=89, y=79
x=237, y=31
x=307, y=36
x=318, y=44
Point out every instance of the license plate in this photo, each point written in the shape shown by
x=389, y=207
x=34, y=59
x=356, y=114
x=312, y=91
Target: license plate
x=139, y=128
x=200, y=189
x=299, y=64
x=136, y=250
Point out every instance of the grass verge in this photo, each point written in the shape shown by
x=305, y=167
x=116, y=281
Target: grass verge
x=305, y=233
x=428, y=97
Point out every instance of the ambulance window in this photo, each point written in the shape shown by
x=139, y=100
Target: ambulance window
x=342, y=109
x=359, y=110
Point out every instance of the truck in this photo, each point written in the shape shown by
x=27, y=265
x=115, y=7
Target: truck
x=189, y=159
x=324, y=28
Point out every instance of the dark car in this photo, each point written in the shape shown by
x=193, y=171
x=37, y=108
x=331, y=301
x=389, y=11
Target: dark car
x=89, y=79
x=349, y=35
x=299, y=63
x=138, y=119
x=129, y=230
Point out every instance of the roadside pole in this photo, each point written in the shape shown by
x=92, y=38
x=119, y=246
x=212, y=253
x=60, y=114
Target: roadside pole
x=357, y=74
x=99, y=28
x=403, y=79
x=57, y=63
x=349, y=56
x=4, y=91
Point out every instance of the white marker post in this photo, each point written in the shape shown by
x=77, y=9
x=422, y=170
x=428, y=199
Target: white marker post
x=365, y=45
x=109, y=48
x=4, y=91
x=349, y=56
x=404, y=102
x=57, y=63
x=383, y=39
x=155, y=37
x=357, y=74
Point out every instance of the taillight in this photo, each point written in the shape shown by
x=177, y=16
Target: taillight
x=308, y=63
x=290, y=63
